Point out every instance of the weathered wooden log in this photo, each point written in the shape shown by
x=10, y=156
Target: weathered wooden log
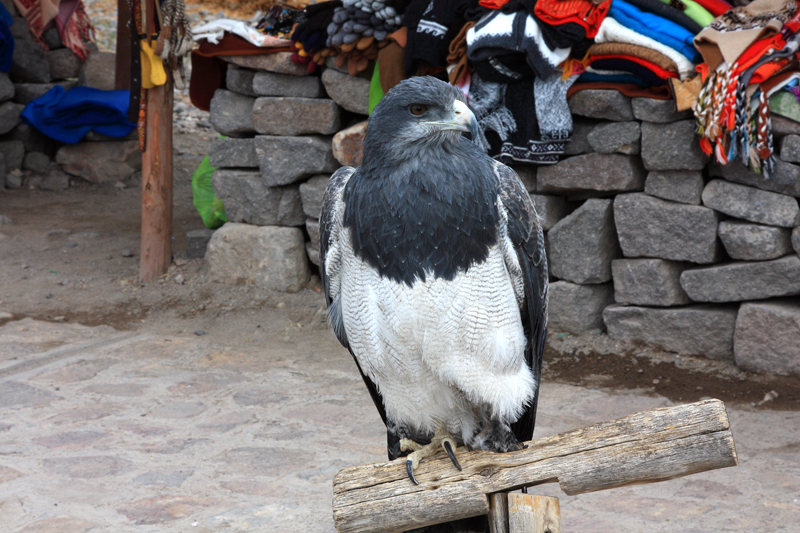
x=651, y=446
x=533, y=514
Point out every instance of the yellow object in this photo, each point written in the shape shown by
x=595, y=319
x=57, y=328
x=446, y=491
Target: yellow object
x=153, y=72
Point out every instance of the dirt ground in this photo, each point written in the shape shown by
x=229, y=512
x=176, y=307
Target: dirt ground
x=71, y=259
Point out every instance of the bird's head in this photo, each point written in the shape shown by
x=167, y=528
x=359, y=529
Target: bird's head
x=416, y=115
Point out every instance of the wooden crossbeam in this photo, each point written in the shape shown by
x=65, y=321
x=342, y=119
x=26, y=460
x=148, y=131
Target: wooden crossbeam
x=646, y=447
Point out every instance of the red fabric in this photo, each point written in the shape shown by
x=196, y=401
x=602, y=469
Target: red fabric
x=715, y=7
x=583, y=12
x=74, y=25
x=493, y=4
x=658, y=71
x=628, y=89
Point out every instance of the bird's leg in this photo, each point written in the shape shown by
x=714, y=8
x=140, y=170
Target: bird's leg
x=441, y=439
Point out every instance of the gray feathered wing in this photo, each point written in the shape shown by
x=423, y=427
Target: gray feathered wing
x=527, y=238
x=330, y=263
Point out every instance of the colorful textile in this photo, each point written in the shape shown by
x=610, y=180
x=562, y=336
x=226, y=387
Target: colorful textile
x=730, y=34
x=693, y=10
x=657, y=28
x=631, y=90
x=376, y=93
x=67, y=116
x=665, y=10
x=601, y=62
x=612, y=31
x=715, y=7
x=632, y=50
x=629, y=65
x=587, y=13
x=500, y=34
x=215, y=30
x=392, y=59
x=72, y=22
x=457, y=58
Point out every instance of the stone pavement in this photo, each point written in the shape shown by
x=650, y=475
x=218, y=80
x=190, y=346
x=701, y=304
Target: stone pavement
x=139, y=432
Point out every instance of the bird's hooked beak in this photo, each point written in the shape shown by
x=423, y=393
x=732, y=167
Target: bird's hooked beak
x=463, y=119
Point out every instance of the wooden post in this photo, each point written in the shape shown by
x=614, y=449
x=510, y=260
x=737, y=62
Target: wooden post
x=156, y=246
x=647, y=447
x=498, y=513
x=533, y=514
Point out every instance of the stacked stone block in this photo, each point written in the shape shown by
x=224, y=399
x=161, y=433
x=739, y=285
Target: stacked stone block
x=645, y=239
x=278, y=155
x=29, y=158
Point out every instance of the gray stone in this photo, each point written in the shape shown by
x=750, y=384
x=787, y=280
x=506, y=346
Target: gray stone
x=616, y=137
x=9, y=116
x=313, y=253
x=672, y=146
x=653, y=282
x=662, y=111
x=767, y=337
x=163, y=479
x=751, y=204
x=578, y=308
x=350, y=92
x=101, y=162
x=550, y=209
x=54, y=180
x=248, y=200
x=29, y=63
x=6, y=87
x=295, y=116
x=269, y=257
x=583, y=244
x=312, y=192
x=683, y=186
x=63, y=63
x=36, y=161
x=581, y=128
x=796, y=240
x=280, y=62
x=740, y=281
x=348, y=145
x=232, y=113
x=312, y=227
x=20, y=30
x=98, y=71
x=16, y=394
x=233, y=153
x=753, y=242
x=699, y=330
x=785, y=179
x=27, y=92
x=197, y=242
x=3, y=171
x=607, y=173
x=273, y=84
x=601, y=103
x=790, y=149
x=651, y=227
x=279, y=161
x=783, y=126
x=240, y=80
x=14, y=152
x=52, y=38
x=34, y=140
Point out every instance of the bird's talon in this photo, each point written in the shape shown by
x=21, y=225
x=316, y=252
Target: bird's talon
x=448, y=447
x=410, y=470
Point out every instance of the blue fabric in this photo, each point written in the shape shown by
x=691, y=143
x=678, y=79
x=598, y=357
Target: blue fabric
x=6, y=40
x=657, y=28
x=67, y=116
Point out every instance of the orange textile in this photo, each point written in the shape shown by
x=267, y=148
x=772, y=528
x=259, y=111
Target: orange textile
x=587, y=13
x=493, y=4
x=628, y=89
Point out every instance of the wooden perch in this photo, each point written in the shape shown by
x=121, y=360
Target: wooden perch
x=651, y=446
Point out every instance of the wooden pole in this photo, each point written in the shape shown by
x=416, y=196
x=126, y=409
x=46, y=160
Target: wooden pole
x=647, y=447
x=156, y=246
x=498, y=513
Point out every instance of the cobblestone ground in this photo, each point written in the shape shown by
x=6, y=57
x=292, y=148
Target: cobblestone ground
x=140, y=432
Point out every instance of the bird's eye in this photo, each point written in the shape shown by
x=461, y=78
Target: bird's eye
x=417, y=109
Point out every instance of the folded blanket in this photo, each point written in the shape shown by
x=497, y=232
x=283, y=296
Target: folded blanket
x=657, y=28
x=646, y=54
x=67, y=116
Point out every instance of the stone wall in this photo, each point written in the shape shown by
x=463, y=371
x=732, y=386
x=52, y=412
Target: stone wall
x=646, y=240
x=29, y=158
